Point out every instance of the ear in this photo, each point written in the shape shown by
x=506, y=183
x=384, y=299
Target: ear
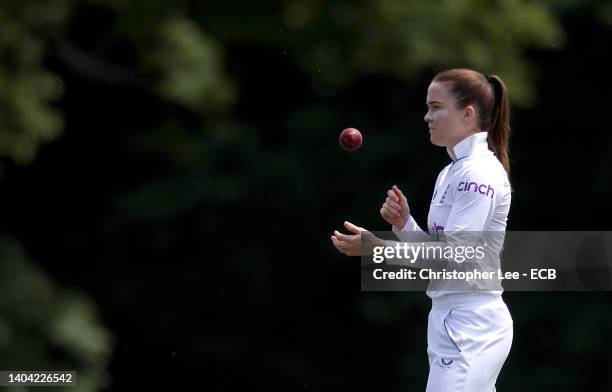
x=469, y=113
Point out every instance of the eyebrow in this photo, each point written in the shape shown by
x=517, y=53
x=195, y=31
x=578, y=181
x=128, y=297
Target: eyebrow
x=430, y=102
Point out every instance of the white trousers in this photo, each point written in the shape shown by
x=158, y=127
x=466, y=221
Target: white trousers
x=468, y=340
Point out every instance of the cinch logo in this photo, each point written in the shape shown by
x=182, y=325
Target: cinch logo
x=483, y=189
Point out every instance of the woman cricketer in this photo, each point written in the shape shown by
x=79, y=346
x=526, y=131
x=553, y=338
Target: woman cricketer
x=469, y=334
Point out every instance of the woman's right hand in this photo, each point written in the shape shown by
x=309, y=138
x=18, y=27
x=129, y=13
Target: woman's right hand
x=395, y=209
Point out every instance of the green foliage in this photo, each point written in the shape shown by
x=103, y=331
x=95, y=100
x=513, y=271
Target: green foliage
x=192, y=69
x=45, y=327
x=405, y=38
x=28, y=90
x=332, y=42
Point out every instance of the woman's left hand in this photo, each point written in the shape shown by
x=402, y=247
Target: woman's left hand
x=349, y=244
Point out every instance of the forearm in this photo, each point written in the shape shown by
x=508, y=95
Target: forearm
x=415, y=254
x=456, y=252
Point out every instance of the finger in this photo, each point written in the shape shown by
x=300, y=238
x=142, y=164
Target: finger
x=391, y=213
x=352, y=228
x=393, y=204
x=341, y=236
x=386, y=214
x=398, y=193
x=338, y=244
x=391, y=193
x=394, y=210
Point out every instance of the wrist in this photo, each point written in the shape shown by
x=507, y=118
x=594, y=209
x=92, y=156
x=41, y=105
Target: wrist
x=402, y=224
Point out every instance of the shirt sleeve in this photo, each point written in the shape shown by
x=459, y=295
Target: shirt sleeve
x=410, y=225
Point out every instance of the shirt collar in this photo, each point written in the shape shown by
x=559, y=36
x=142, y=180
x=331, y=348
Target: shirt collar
x=471, y=144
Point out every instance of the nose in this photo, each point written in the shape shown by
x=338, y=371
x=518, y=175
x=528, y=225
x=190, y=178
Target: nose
x=427, y=117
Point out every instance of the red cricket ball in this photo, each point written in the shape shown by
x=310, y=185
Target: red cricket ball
x=350, y=139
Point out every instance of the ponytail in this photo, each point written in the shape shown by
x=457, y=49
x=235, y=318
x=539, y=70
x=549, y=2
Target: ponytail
x=499, y=132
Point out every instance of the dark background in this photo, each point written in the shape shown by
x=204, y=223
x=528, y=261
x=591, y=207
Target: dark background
x=166, y=208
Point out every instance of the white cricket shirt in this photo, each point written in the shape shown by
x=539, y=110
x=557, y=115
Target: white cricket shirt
x=471, y=194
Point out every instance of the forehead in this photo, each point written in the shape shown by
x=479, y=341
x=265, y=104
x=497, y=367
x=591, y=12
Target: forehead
x=438, y=92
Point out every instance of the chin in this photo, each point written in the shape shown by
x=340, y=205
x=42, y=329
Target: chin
x=435, y=141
